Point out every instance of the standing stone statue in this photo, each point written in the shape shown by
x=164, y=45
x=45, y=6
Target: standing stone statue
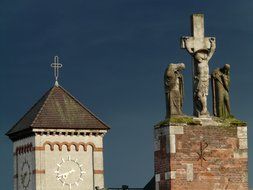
x=201, y=49
x=220, y=87
x=174, y=89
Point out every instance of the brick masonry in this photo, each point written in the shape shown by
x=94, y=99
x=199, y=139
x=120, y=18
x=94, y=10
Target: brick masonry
x=201, y=157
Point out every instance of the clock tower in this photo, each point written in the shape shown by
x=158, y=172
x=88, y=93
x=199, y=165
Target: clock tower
x=58, y=144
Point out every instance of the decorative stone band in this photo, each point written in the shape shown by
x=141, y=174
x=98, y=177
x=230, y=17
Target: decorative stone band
x=69, y=144
x=23, y=149
x=39, y=171
x=59, y=132
x=38, y=148
x=33, y=172
x=98, y=171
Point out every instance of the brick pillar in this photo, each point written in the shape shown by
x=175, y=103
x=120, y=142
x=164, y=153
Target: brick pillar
x=201, y=155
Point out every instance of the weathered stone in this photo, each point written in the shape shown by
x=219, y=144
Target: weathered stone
x=157, y=144
x=172, y=140
x=220, y=89
x=157, y=186
x=242, y=132
x=157, y=177
x=240, y=154
x=201, y=49
x=189, y=172
x=168, y=144
x=176, y=130
x=243, y=143
x=170, y=175
x=202, y=167
x=206, y=121
x=203, y=152
x=162, y=131
x=174, y=89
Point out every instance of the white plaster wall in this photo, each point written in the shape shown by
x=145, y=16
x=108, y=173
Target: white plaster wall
x=99, y=165
x=49, y=159
x=19, y=160
x=14, y=172
x=52, y=158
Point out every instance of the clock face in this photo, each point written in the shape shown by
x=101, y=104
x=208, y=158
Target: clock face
x=69, y=172
x=25, y=174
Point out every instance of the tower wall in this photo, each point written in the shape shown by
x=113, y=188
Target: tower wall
x=46, y=150
x=196, y=156
x=22, y=152
x=88, y=150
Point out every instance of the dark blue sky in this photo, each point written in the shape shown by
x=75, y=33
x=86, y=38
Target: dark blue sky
x=114, y=54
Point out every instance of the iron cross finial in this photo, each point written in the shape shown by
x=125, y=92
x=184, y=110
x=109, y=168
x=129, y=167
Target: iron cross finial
x=56, y=65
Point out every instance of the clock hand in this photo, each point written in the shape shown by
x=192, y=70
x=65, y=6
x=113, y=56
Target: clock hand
x=65, y=175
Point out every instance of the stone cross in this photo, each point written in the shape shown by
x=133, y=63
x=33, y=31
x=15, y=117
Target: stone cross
x=201, y=48
x=56, y=65
x=198, y=40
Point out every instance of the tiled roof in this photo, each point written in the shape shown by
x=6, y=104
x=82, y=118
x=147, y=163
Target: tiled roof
x=57, y=109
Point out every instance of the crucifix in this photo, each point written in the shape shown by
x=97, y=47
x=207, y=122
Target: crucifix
x=201, y=48
x=56, y=65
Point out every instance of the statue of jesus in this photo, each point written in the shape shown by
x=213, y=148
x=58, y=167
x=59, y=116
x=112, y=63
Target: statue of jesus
x=201, y=75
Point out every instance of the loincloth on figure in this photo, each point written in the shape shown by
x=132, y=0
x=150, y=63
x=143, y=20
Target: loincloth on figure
x=202, y=88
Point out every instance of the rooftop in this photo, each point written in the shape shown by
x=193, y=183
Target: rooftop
x=57, y=109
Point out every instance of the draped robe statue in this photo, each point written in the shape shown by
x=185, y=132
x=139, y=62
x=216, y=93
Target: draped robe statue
x=220, y=87
x=174, y=89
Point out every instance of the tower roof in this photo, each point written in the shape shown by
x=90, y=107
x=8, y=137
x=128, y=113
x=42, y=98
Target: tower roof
x=57, y=109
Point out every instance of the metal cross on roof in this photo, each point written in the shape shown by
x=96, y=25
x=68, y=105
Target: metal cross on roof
x=56, y=65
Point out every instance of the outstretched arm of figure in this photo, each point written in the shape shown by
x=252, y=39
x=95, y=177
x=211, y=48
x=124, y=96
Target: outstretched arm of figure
x=212, y=48
x=187, y=45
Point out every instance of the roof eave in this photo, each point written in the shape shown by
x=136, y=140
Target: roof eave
x=20, y=134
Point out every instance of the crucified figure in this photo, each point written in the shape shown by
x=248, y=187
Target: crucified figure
x=201, y=48
x=201, y=76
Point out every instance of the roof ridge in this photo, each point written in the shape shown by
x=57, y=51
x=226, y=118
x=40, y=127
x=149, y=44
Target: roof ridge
x=41, y=109
x=84, y=107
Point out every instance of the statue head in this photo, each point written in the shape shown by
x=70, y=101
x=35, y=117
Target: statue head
x=201, y=55
x=180, y=66
x=225, y=69
x=176, y=67
x=172, y=70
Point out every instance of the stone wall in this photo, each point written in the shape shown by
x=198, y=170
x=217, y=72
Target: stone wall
x=210, y=157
